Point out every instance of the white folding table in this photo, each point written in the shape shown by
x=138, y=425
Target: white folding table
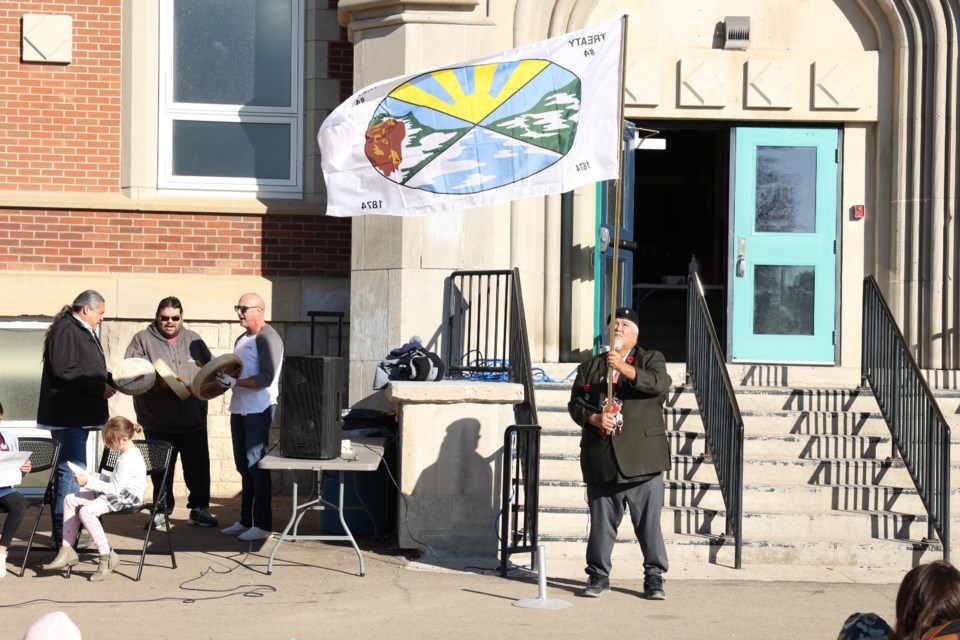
x=367, y=454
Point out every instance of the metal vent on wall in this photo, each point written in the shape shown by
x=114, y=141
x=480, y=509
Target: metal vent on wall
x=737, y=32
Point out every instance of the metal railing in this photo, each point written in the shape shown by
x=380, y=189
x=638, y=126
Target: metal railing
x=917, y=426
x=521, y=453
x=487, y=332
x=719, y=411
x=487, y=339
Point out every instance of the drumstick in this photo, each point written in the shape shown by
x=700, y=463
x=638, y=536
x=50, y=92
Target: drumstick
x=132, y=380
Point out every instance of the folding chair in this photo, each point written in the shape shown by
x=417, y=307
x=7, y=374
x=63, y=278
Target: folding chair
x=156, y=455
x=44, y=454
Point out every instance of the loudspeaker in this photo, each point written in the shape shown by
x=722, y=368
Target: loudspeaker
x=310, y=398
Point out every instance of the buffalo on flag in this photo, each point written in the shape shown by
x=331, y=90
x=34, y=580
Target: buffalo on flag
x=541, y=119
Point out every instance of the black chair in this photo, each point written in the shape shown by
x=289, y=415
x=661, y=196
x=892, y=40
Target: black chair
x=44, y=455
x=156, y=455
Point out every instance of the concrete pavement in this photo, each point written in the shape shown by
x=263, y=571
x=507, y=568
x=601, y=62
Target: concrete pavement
x=220, y=590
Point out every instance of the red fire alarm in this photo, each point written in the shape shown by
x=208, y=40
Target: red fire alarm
x=857, y=211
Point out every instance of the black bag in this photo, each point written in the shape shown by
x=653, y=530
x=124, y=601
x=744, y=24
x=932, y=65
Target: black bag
x=409, y=362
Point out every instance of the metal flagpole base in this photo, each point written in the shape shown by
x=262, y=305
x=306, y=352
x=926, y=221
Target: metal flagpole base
x=537, y=603
x=541, y=602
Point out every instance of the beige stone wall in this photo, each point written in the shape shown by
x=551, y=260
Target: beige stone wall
x=811, y=62
x=451, y=463
x=224, y=480
x=48, y=293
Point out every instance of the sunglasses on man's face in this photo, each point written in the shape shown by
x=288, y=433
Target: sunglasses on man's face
x=170, y=318
x=242, y=309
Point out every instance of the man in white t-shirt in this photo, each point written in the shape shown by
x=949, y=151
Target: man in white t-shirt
x=252, y=409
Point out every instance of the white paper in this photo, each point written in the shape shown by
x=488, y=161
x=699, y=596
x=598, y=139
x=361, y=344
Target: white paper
x=77, y=468
x=10, y=462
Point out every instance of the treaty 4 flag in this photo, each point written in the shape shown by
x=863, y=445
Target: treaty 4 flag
x=541, y=119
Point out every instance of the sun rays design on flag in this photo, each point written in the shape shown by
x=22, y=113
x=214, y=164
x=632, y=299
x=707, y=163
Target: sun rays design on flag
x=472, y=128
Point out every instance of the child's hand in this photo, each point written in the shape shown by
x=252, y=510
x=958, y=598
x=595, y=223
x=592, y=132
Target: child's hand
x=25, y=467
x=81, y=479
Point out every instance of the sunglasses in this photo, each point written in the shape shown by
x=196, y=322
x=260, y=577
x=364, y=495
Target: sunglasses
x=242, y=309
x=170, y=318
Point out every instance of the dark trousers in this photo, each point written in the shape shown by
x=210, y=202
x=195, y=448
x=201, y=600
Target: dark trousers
x=15, y=505
x=608, y=502
x=251, y=434
x=193, y=449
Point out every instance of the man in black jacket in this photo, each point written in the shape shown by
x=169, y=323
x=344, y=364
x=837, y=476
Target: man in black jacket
x=623, y=452
x=163, y=416
x=74, y=388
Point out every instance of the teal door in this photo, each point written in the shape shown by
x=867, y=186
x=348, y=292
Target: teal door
x=784, y=262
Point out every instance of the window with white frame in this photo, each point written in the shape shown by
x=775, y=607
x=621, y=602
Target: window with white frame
x=230, y=96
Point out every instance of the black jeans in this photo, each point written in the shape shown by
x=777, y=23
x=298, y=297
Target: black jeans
x=15, y=505
x=194, y=450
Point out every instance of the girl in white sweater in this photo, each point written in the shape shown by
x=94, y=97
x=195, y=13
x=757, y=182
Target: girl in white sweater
x=125, y=487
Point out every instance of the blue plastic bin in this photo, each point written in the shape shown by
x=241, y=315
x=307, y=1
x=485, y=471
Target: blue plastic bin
x=376, y=489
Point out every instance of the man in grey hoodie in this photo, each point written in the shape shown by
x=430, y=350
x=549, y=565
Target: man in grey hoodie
x=163, y=416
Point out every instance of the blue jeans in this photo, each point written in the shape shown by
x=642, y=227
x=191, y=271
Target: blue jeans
x=251, y=434
x=73, y=447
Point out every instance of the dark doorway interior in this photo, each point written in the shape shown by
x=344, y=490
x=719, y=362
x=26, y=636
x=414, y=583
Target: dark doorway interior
x=680, y=211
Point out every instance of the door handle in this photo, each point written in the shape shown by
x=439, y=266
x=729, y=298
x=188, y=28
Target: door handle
x=741, y=256
x=604, y=239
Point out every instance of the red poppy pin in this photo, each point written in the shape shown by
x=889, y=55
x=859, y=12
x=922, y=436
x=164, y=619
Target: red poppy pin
x=629, y=359
x=586, y=388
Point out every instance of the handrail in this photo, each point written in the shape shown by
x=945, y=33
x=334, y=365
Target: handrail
x=919, y=431
x=487, y=339
x=518, y=505
x=487, y=332
x=719, y=411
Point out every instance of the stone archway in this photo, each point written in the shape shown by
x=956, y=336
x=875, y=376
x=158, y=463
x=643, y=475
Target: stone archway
x=913, y=179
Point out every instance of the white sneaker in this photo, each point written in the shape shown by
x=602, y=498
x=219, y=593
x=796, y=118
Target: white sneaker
x=254, y=533
x=3, y=564
x=234, y=529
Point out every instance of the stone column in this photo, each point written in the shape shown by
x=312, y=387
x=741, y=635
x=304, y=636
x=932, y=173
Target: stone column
x=399, y=265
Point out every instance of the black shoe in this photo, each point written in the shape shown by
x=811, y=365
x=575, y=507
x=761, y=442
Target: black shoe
x=653, y=588
x=596, y=587
x=202, y=518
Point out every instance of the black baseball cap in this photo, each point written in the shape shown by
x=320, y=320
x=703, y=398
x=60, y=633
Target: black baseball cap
x=627, y=314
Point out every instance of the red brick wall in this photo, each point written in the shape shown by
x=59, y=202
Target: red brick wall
x=124, y=242
x=60, y=124
x=341, y=61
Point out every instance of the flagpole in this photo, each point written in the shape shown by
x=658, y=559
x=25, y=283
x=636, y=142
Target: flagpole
x=618, y=206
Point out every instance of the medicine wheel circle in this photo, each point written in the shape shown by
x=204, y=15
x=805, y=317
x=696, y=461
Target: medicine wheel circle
x=474, y=128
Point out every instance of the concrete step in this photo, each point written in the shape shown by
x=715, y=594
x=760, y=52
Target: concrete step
x=808, y=498
x=689, y=555
x=561, y=467
x=558, y=395
x=783, y=376
x=552, y=418
x=815, y=467
x=755, y=422
x=771, y=399
x=850, y=526
x=748, y=398
x=691, y=443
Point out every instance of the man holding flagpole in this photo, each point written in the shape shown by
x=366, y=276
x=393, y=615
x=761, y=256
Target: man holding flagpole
x=623, y=452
